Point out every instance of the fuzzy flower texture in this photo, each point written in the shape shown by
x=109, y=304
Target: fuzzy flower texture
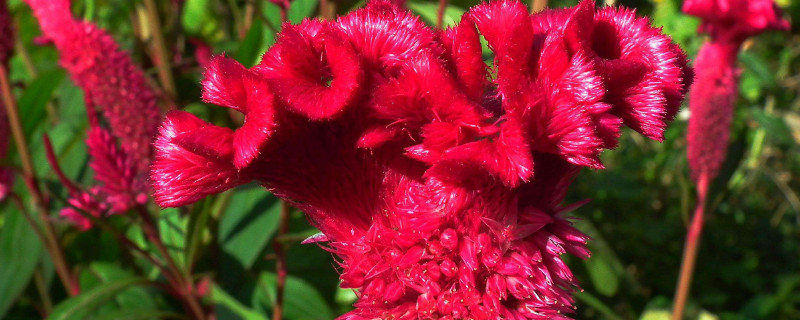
x=728, y=23
x=121, y=154
x=436, y=180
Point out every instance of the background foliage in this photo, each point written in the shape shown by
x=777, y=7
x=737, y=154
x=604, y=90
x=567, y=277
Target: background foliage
x=749, y=263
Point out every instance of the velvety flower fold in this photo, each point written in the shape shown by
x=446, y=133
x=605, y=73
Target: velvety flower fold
x=436, y=180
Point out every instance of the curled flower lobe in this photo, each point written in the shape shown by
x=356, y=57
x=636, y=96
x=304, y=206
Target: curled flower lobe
x=228, y=83
x=313, y=70
x=194, y=159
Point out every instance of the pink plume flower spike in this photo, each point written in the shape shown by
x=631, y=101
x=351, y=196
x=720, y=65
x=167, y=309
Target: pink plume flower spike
x=418, y=169
x=712, y=100
x=6, y=50
x=80, y=202
x=97, y=64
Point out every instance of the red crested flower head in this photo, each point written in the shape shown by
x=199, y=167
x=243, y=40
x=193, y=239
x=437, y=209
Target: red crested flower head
x=437, y=180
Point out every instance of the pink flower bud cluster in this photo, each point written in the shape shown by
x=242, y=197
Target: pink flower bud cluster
x=6, y=49
x=714, y=93
x=121, y=154
x=437, y=180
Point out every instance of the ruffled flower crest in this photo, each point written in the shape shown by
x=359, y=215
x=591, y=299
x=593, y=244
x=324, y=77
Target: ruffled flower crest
x=439, y=188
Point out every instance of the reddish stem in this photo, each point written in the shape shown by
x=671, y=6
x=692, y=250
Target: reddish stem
x=280, y=262
x=440, y=13
x=690, y=249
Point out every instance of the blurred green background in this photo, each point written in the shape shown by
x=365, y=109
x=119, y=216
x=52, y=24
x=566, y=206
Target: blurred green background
x=749, y=261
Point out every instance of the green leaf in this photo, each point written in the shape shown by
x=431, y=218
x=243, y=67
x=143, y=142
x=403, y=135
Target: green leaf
x=775, y=126
x=35, y=97
x=196, y=14
x=248, y=223
x=232, y=306
x=604, y=279
x=139, y=314
x=82, y=305
x=301, y=9
x=20, y=249
x=250, y=48
x=429, y=12
x=135, y=297
x=656, y=315
x=598, y=305
x=301, y=300
x=172, y=227
x=605, y=269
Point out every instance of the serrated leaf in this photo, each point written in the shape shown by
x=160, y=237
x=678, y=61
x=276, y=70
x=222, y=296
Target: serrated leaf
x=20, y=249
x=248, y=223
x=301, y=300
x=81, y=306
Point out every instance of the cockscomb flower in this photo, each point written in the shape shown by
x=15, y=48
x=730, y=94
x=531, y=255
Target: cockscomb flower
x=438, y=187
x=6, y=49
x=121, y=154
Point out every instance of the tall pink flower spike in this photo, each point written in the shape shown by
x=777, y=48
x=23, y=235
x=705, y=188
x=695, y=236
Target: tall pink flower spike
x=6, y=50
x=439, y=189
x=121, y=155
x=712, y=100
x=729, y=23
